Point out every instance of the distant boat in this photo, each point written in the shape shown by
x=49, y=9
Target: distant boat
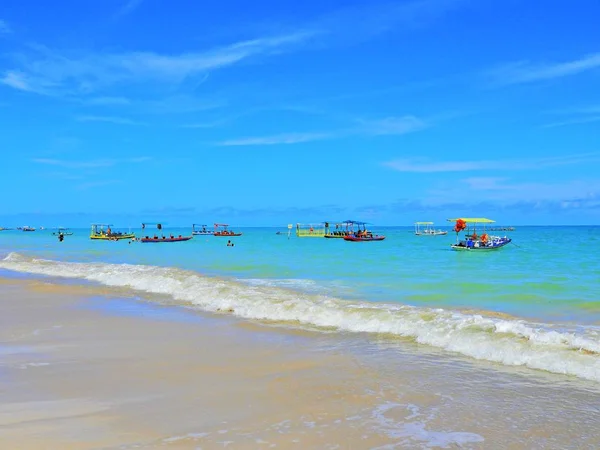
x=104, y=232
x=27, y=228
x=361, y=234
x=63, y=231
x=201, y=230
x=473, y=241
x=427, y=229
x=162, y=238
x=222, y=229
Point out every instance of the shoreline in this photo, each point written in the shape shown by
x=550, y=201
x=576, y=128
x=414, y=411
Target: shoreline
x=89, y=367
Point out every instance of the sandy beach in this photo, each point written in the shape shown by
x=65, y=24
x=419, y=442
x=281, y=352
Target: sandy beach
x=94, y=367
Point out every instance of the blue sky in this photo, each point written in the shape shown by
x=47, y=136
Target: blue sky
x=268, y=113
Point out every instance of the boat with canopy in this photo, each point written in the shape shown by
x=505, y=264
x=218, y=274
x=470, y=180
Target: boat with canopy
x=201, y=230
x=62, y=230
x=473, y=241
x=105, y=232
x=320, y=229
x=162, y=238
x=222, y=230
x=427, y=229
x=341, y=229
x=360, y=233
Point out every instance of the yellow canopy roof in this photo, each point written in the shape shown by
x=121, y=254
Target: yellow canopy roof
x=473, y=220
x=423, y=223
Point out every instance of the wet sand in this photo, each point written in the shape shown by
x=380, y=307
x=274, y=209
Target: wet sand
x=86, y=367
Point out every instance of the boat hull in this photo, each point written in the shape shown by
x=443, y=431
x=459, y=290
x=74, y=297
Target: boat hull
x=203, y=233
x=363, y=239
x=481, y=248
x=119, y=237
x=164, y=240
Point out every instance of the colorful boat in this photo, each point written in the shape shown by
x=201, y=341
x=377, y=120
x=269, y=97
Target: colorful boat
x=201, y=230
x=104, y=232
x=62, y=231
x=222, y=230
x=473, y=241
x=361, y=234
x=427, y=229
x=162, y=238
x=341, y=229
x=319, y=230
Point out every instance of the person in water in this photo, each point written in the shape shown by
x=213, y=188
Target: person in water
x=229, y=243
x=61, y=237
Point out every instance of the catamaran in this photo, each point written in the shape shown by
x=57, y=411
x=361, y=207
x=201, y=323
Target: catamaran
x=222, y=229
x=427, y=229
x=201, y=230
x=472, y=240
x=155, y=238
x=104, y=232
x=361, y=234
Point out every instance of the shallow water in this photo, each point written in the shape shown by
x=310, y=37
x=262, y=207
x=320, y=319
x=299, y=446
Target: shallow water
x=535, y=303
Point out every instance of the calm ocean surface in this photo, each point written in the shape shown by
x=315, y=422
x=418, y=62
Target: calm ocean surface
x=534, y=303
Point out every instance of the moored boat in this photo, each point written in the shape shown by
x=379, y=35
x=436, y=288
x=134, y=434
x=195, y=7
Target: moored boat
x=474, y=242
x=155, y=238
x=201, y=230
x=361, y=234
x=427, y=229
x=105, y=232
x=222, y=230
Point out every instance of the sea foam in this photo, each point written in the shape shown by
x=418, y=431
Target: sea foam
x=558, y=349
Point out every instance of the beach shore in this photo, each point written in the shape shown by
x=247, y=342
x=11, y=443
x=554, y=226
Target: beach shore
x=93, y=367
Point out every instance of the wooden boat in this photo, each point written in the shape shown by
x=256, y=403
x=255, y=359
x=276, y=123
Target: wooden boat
x=104, y=232
x=361, y=234
x=222, y=230
x=473, y=241
x=179, y=238
x=162, y=238
x=201, y=230
x=427, y=229
x=63, y=231
x=367, y=238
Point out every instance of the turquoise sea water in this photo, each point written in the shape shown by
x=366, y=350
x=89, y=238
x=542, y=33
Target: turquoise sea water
x=416, y=287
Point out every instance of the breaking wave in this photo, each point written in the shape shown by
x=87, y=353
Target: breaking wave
x=571, y=351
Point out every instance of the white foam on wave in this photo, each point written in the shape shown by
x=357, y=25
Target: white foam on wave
x=511, y=342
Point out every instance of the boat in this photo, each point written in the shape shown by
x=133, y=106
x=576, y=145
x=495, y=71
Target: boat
x=473, y=241
x=162, y=238
x=341, y=229
x=201, y=230
x=27, y=228
x=63, y=231
x=427, y=229
x=104, y=232
x=320, y=229
x=361, y=234
x=222, y=229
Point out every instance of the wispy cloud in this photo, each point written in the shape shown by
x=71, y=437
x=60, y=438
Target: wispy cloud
x=46, y=71
x=289, y=138
x=128, y=8
x=575, y=116
x=4, y=28
x=526, y=72
x=109, y=119
x=386, y=126
x=97, y=184
x=92, y=164
x=424, y=166
x=108, y=101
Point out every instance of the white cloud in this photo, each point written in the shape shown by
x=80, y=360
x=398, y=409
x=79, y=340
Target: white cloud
x=92, y=164
x=525, y=72
x=425, y=166
x=109, y=119
x=47, y=71
x=4, y=28
x=289, y=138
